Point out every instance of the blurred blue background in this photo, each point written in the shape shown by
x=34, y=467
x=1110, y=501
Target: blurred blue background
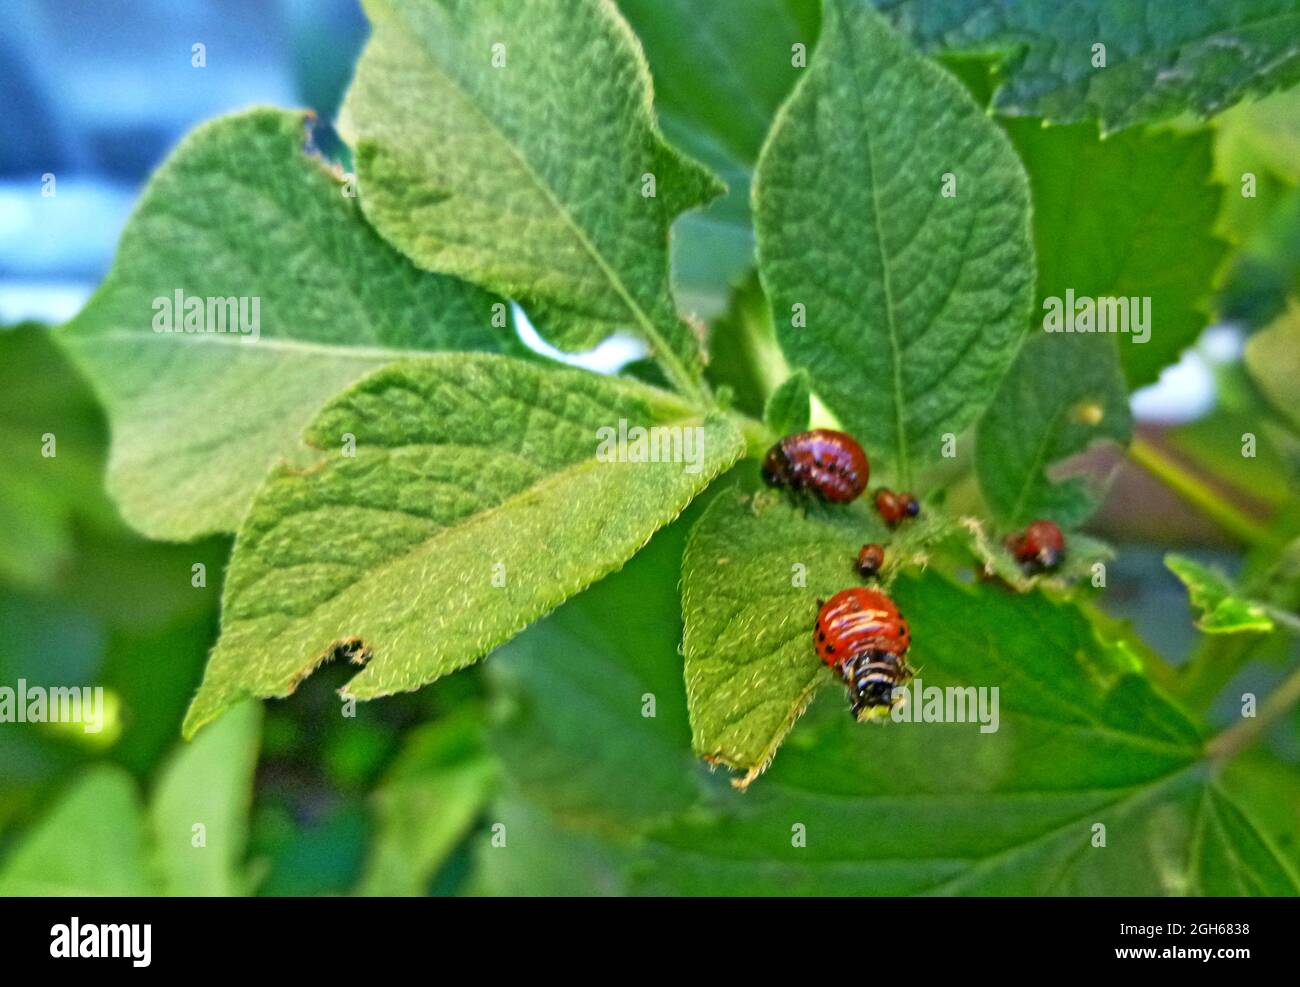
x=97, y=94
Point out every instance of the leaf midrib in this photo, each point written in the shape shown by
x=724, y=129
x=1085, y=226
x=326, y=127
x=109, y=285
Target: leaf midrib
x=470, y=521
x=1038, y=462
x=903, y=467
x=273, y=343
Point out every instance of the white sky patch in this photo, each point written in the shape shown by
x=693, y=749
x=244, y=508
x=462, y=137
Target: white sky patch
x=1187, y=390
x=41, y=301
x=607, y=358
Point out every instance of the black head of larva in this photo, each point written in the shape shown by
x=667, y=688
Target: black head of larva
x=873, y=678
x=862, y=636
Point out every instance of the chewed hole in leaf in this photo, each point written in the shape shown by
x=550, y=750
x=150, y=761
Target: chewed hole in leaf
x=353, y=651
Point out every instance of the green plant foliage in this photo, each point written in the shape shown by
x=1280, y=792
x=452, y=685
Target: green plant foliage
x=412, y=487
x=915, y=301
x=200, y=809
x=745, y=356
x=1268, y=787
x=1222, y=607
x=621, y=681
x=478, y=499
x=51, y=439
x=788, y=408
x=1128, y=217
x=110, y=609
x=606, y=664
x=1265, y=276
x=1214, y=443
x=1273, y=358
x=753, y=575
x=751, y=578
x=953, y=812
x=1162, y=58
x=1082, y=739
x=469, y=120
x=546, y=858
x=1257, y=140
x=99, y=839
x=721, y=70
x=1063, y=394
x=93, y=842
x=724, y=67
x=240, y=211
x=1132, y=215
x=427, y=803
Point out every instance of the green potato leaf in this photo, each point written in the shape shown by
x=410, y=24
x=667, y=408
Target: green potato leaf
x=240, y=212
x=1078, y=739
x=789, y=407
x=93, y=842
x=751, y=578
x=1273, y=359
x=199, y=810
x=513, y=143
x=1222, y=607
x=753, y=574
x=427, y=802
x=1162, y=57
x=893, y=229
x=482, y=492
x=952, y=811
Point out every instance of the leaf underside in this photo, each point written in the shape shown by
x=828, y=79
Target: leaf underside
x=480, y=496
x=239, y=211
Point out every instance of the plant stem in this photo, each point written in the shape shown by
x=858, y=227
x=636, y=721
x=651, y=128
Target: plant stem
x=1199, y=494
x=685, y=383
x=758, y=437
x=1236, y=739
x=1288, y=620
